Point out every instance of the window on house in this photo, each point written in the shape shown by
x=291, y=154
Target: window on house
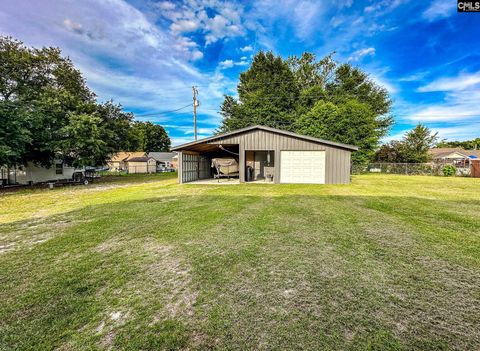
x=58, y=168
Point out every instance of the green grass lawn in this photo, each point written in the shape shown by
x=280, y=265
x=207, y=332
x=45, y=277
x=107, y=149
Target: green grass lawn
x=141, y=263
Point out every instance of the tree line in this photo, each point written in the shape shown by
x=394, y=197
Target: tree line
x=325, y=99
x=48, y=113
x=473, y=144
x=320, y=98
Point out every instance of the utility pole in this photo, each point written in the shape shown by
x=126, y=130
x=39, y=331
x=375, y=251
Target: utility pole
x=195, y=104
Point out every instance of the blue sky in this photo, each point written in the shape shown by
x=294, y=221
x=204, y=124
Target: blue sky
x=146, y=55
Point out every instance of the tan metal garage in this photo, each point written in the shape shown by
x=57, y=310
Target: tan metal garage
x=266, y=154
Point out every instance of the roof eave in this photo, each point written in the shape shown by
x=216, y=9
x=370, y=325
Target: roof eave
x=273, y=130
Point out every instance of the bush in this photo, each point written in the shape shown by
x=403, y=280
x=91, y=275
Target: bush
x=449, y=170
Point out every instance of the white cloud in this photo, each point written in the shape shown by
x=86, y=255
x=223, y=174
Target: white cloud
x=336, y=21
x=304, y=17
x=461, y=82
x=383, y=6
x=414, y=77
x=459, y=132
x=220, y=27
x=197, y=55
x=166, y=5
x=440, y=9
x=184, y=26
x=230, y=63
x=306, y=14
x=446, y=113
x=73, y=26
x=379, y=78
x=192, y=16
x=359, y=54
x=460, y=102
x=189, y=47
x=226, y=64
x=246, y=48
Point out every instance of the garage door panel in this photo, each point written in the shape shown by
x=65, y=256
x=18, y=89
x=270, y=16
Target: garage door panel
x=302, y=167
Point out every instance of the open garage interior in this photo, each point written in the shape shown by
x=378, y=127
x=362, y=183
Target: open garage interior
x=259, y=165
x=210, y=161
x=264, y=154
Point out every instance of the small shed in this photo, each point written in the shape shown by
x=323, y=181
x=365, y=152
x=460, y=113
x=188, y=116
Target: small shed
x=118, y=161
x=142, y=164
x=265, y=153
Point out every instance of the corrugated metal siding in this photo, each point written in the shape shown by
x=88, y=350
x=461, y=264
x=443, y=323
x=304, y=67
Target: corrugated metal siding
x=192, y=167
x=337, y=166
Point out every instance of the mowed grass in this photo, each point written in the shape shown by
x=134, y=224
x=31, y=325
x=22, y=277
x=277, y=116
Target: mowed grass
x=385, y=263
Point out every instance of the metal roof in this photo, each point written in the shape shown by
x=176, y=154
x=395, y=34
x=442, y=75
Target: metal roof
x=268, y=129
x=162, y=156
x=140, y=159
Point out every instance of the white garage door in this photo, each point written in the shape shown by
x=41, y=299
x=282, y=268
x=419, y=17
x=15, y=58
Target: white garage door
x=302, y=167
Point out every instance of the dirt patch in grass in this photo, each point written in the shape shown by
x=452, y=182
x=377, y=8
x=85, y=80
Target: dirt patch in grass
x=171, y=271
x=27, y=234
x=159, y=291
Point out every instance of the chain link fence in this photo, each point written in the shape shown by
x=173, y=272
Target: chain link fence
x=141, y=169
x=430, y=169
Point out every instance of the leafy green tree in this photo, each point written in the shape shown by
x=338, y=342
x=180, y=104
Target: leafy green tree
x=413, y=148
x=116, y=128
x=352, y=82
x=416, y=144
x=14, y=136
x=156, y=138
x=38, y=88
x=352, y=122
x=391, y=152
x=136, y=137
x=47, y=112
x=297, y=94
x=310, y=73
x=148, y=137
x=81, y=141
x=267, y=95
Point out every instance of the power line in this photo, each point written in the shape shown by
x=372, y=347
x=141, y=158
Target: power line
x=161, y=112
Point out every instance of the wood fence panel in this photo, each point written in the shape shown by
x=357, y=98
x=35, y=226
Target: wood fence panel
x=475, y=168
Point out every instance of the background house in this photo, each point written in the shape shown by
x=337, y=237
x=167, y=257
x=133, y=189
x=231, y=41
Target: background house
x=165, y=160
x=118, y=162
x=458, y=157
